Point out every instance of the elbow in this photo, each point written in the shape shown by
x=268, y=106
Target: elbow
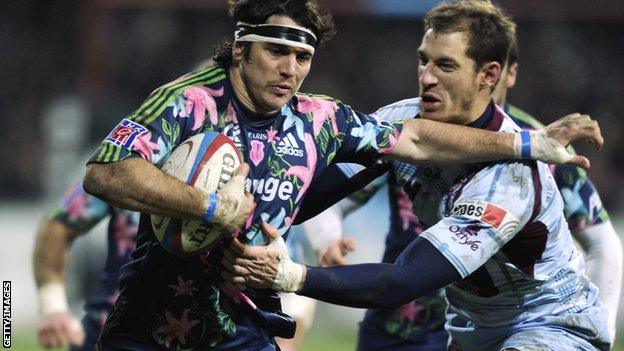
x=95, y=180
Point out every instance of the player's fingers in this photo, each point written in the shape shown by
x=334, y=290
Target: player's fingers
x=242, y=170
x=237, y=246
x=239, y=281
x=586, y=128
x=62, y=333
x=54, y=340
x=269, y=231
x=44, y=338
x=347, y=245
x=579, y=161
x=76, y=333
x=336, y=257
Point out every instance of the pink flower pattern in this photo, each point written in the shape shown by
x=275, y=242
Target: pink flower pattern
x=406, y=212
x=257, y=152
x=183, y=287
x=144, y=146
x=176, y=330
x=77, y=207
x=230, y=114
x=305, y=173
x=392, y=143
x=200, y=101
x=411, y=312
x=272, y=136
x=321, y=110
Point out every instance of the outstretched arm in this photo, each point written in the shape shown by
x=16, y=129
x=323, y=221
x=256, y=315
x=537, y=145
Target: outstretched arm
x=374, y=285
x=429, y=142
x=380, y=285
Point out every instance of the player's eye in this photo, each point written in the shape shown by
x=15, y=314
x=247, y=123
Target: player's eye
x=304, y=57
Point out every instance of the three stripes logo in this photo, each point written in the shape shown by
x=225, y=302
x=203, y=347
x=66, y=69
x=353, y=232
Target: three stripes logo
x=289, y=146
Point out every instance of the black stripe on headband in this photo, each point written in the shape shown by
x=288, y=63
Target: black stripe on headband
x=278, y=32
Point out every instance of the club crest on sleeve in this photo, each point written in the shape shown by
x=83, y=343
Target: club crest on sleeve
x=124, y=134
x=504, y=221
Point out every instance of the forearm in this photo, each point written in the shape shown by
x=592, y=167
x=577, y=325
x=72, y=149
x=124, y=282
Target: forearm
x=50, y=258
x=603, y=254
x=51, y=252
x=136, y=184
x=382, y=285
x=429, y=142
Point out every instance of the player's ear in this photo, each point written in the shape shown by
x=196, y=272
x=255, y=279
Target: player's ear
x=490, y=73
x=512, y=75
x=238, y=52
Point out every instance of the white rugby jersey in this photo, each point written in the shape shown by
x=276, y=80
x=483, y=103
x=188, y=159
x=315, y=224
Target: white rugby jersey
x=502, y=227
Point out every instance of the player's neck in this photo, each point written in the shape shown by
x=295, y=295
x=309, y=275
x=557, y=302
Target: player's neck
x=477, y=110
x=242, y=94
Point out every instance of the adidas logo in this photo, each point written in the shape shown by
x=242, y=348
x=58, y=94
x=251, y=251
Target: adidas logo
x=289, y=146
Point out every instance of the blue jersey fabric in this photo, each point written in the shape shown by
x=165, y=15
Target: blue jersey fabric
x=174, y=303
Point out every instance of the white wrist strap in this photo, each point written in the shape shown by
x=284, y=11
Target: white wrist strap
x=289, y=276
x=542, y=148
x=52, y=298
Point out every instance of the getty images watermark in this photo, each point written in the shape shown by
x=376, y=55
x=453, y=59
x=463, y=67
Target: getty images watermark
x=6, y=314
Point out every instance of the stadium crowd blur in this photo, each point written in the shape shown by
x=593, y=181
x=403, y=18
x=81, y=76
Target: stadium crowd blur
x=100, y=57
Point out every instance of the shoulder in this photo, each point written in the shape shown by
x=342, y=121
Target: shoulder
x=209, y=78
x=403, y=109
x=316, y=103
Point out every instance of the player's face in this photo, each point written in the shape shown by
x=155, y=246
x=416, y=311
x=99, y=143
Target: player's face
x=273, y=73
x=448, y=82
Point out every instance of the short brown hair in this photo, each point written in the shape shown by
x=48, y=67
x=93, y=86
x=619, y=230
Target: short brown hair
x=305, y=12
x=490, y=31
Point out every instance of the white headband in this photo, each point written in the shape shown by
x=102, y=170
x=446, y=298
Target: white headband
x=276, y=33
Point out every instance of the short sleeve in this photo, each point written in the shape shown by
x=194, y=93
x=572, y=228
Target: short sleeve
x=170, y=115
x=366, y=138
x=79, y=210
x=488, y=212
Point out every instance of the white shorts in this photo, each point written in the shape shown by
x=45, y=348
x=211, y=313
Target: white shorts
x=568, y=331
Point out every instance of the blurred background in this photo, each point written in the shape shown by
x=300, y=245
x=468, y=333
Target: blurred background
x=71, y=69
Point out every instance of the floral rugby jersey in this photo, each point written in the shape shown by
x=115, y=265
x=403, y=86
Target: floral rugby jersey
x=177, y=303
x=81, y=212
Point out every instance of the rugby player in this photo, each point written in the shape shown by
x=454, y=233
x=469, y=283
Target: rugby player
x=168, y=302
x=501, y=237
x=75, y=214
x=419, y=325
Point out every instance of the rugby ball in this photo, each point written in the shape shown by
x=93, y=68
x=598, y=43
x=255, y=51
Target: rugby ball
x=206, y=161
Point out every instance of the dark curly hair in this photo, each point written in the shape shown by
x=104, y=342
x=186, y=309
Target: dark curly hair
x=305, y=12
